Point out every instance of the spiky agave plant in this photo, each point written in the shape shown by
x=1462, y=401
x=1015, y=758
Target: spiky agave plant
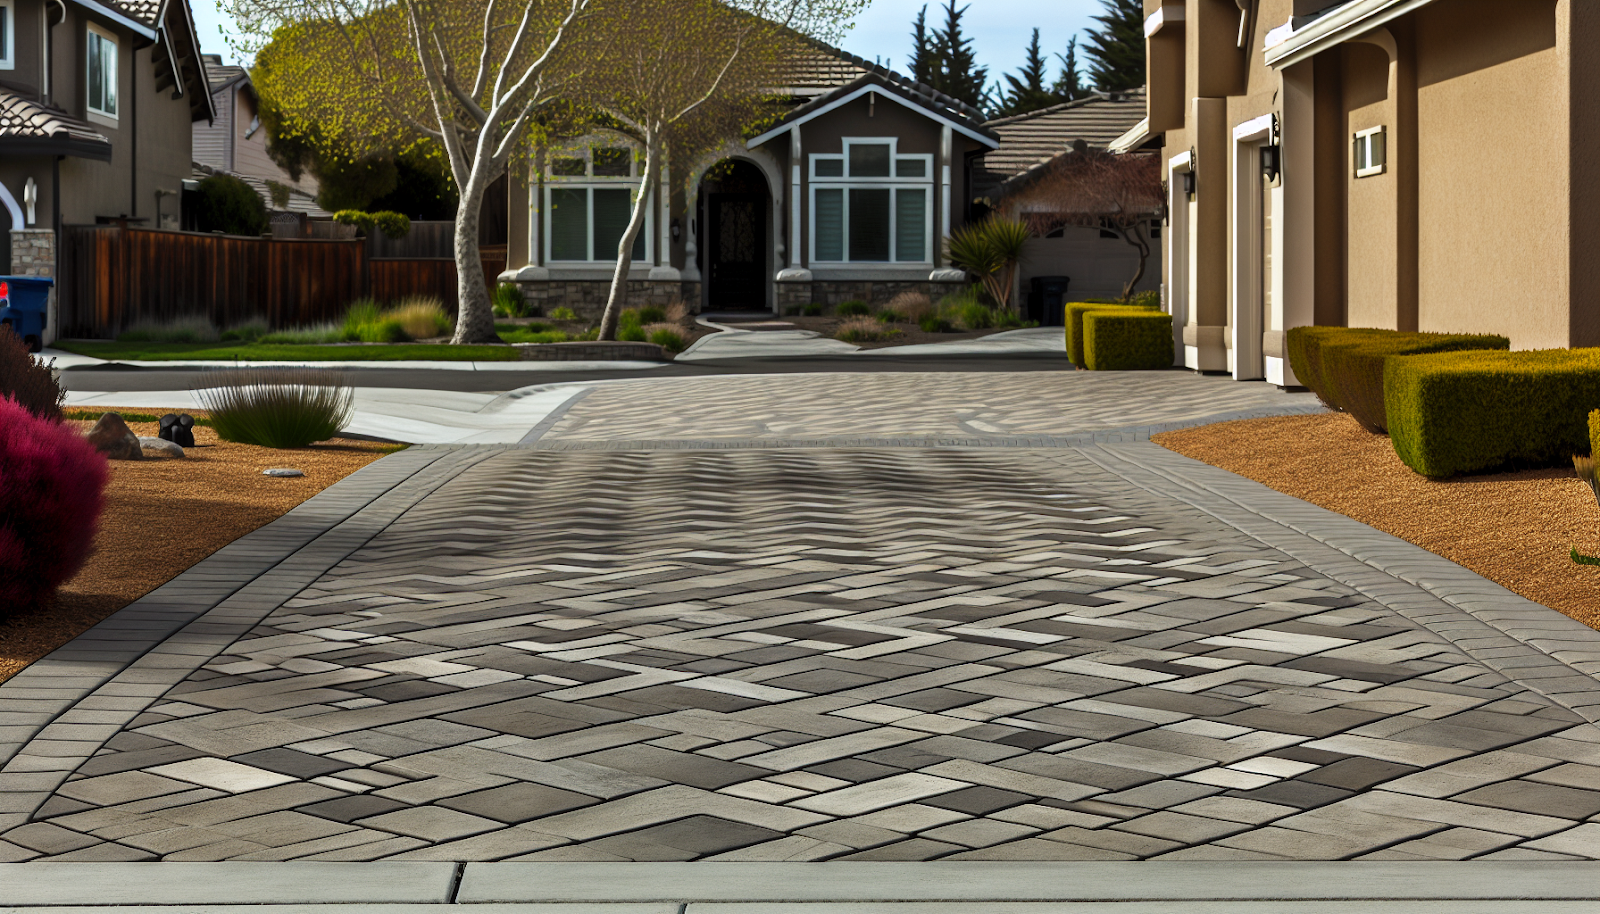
x=991, y=250
x=277, y=407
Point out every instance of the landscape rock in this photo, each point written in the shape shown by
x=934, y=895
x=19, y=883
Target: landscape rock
x=112, y=437
x=155, y=447
x=281, y=471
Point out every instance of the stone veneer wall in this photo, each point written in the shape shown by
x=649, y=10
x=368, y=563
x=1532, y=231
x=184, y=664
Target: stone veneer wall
x=33, y=253
x=587, y=297
x=835, y=292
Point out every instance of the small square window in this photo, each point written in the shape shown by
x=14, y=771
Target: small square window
x=910, y=168
x=829, y=168
x=612, y=162
x=1371, y=153
x=869, y=160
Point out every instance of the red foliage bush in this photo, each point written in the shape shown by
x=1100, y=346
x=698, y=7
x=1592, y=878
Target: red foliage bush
x=52, y=489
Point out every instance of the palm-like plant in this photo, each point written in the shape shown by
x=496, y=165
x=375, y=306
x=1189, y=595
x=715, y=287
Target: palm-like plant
x=991, y=250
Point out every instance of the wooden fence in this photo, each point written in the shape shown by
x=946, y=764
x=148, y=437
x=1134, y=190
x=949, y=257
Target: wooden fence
x=112, y=277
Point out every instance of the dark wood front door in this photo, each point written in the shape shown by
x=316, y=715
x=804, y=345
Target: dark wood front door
x=737, y=254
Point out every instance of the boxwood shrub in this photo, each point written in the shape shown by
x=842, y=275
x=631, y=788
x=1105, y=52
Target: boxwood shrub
x=1344, y=365
x=1127, y=340
x=1074, y=313
x=1462, y=412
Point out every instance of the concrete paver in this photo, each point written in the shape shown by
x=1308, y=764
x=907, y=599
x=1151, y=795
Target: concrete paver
x=689, y=622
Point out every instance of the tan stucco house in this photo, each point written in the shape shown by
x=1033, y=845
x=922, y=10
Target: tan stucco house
x=1407, y=164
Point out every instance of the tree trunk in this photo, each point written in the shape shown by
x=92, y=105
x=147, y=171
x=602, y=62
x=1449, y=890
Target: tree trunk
x=619, y=279
x=475, y=317
x=1135, y=236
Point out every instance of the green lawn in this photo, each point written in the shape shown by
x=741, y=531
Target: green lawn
x=266, y=352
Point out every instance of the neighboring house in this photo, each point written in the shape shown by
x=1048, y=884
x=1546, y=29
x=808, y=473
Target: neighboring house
x=1351, y=164
x=235, y=143
x=1097, y=261
x=96, y=99
x=849, y=195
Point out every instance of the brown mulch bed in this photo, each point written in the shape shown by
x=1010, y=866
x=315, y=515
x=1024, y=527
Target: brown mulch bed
x=163, y=516
x=1515, y=529
x=910, y=334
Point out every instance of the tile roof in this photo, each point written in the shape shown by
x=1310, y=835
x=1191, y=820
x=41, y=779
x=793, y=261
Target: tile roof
x=818, y=68
x=146, y=11
x=1029, y=139
x=22, y=118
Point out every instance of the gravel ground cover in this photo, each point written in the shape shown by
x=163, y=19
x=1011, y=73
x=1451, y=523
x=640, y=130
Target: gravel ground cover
x=162, y=516
x=1516, y=529
x=909, y=333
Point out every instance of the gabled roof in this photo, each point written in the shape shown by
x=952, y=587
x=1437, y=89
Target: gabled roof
x=1028, y=140
x=961, y=117
x=30, y=128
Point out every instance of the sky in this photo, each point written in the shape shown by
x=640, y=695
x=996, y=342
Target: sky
x=999, y=29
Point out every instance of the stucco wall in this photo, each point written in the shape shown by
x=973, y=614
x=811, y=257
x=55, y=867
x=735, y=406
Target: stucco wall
x=1493, y=186
x=1371, y=280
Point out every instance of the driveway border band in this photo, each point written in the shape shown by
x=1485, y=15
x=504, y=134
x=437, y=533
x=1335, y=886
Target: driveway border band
x=111, y=673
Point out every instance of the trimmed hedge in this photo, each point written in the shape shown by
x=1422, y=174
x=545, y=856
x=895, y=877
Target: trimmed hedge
x=1074, y=312
x=1127, y=340
x=1461, y=412
x=1343, y=366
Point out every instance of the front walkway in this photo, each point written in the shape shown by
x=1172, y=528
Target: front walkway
x=816, y=617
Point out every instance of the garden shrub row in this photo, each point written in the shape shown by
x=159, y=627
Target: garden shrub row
x=1344, y=366
x=1461, y=412
x=1074, y=312
x=1127, y=340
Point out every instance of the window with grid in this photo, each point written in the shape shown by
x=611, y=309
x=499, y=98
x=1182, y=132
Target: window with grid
x=589, y=196
x=870, y=204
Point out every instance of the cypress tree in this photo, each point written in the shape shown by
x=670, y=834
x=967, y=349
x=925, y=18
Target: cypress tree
x=956, y=72
x=1069, y=85
x=1116, y=49
x=1027, y=91
x=922, y=62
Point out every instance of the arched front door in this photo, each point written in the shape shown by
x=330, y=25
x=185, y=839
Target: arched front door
x=738, y=247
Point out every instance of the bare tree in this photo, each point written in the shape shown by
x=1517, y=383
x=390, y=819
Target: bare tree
x=472, y=75
x=687, y=76
x=1094, y=189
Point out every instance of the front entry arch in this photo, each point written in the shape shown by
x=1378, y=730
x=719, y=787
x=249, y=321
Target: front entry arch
x=736, y=245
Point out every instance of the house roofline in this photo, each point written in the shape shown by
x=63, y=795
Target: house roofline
x=119, y=17
x=876, y=85
x=97, y=150
x=1304, y=37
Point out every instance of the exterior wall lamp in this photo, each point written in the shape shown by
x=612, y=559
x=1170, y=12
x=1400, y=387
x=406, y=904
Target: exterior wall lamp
x=1188, y=184
x=1271, y=159
x=677, y=230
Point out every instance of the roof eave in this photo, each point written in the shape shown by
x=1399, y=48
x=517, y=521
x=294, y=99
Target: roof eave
x=980, y=134
x=1287, y=46
x=119, y=17
x=98, y=150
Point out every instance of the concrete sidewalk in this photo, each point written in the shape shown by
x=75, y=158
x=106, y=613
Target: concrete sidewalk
x=733, y=342
x=66, y=360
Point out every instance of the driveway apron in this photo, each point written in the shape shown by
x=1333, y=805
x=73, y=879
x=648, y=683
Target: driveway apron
x=885, y=617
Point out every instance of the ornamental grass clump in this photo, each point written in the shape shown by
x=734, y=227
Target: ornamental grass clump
x=853, y=308
x=910, y=306
x=52, y=488
x=277, y=408
x=864, y=330
x=667, y=336
x=421, y=318
x=508, y=301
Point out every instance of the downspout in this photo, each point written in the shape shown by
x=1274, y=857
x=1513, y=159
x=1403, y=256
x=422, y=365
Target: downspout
x=47, y=84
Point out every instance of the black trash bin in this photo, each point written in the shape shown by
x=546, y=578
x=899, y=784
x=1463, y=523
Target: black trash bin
x=1047, y=298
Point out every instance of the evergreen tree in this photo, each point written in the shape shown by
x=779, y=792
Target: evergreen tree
x=1069, y=85
x=923, y=60
x=956, y=72
x=1026, y=90
x=1116, y=49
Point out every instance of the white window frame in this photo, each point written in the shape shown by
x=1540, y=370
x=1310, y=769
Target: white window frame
x=1363, y=143
x=847, y=182
x=9, y=49
x=93, y=32
x=589, y=182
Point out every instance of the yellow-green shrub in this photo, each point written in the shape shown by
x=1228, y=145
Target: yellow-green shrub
x=1127, y=340
x=1074, y=312
x=1459, y=412
x=1344, y=365
x=421, y=318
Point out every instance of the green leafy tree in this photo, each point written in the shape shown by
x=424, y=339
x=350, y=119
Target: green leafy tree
x=380, y=75
x=1069, y=84
x=1026, y=90
x=956, y=72
x=1116, y=48
x=229, y=205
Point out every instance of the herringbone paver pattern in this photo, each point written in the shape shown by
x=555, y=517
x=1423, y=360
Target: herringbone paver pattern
x=871, y=654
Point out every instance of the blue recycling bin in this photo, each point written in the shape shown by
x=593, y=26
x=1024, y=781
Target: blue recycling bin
x=24, y=307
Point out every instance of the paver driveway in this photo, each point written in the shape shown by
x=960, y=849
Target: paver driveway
x=645, y=639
